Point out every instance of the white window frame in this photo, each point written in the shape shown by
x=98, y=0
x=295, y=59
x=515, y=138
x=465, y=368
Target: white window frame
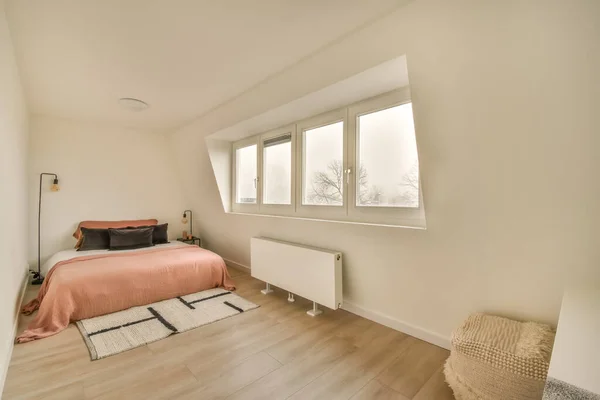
x=245, y=207
x=320, y=211
x=279, y=209
x=375, y=214
x=349, y=211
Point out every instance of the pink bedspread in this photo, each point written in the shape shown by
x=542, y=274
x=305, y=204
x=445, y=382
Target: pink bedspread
x=89, y=286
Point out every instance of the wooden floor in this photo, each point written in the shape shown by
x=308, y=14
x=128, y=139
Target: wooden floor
x=273, y=352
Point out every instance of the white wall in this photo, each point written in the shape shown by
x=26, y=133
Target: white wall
x=220, y=153
x=506, y=97
x=105, y=173
x=13, y=197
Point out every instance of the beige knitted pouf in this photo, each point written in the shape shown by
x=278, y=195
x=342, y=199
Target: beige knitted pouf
x=497, y=358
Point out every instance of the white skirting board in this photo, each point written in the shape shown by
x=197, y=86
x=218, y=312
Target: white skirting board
x=234, y=264
x=419, y=333
x=400, y=326
x=11, y=338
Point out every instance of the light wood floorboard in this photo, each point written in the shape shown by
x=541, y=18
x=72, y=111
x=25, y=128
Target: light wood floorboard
x=273, y=352
x=410, y=372
x=376, y=391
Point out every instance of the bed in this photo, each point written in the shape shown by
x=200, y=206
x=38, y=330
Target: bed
x=81, y=285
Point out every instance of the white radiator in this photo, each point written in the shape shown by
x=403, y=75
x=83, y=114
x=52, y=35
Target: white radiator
x=312, y=273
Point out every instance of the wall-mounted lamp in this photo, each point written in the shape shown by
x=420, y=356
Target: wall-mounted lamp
x=38, y=279
x=184, y=220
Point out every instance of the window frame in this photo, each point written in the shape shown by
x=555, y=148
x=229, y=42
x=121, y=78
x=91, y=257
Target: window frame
x=278, y=209
x=313, y=210
x=245, y=207
x=377, y=214
x=349, y=212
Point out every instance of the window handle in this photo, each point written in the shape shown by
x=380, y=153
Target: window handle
x=255, y=182
x=348, y=172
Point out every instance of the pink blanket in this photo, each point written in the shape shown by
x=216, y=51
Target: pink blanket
x=89, y=286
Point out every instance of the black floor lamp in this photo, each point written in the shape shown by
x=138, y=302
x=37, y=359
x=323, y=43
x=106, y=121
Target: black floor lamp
x=38, y=279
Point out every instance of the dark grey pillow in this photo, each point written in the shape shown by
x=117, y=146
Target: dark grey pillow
x=125, y=239
x=94, y=239
x=159, y=235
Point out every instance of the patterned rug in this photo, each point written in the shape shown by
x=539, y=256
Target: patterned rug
x=125, y=330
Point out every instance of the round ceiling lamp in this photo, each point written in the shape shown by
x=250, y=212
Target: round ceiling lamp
x=132, y=104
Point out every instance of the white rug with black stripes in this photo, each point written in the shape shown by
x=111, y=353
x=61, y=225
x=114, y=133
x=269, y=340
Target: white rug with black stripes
x=124, y=330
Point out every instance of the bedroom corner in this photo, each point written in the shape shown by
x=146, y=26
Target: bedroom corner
x=104, y=171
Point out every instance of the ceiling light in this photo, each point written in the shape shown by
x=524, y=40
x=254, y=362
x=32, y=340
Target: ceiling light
x=133, y=104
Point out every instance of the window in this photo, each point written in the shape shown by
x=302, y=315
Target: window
x=245, y=177
x=359, y=164
x=277, y=161
x=322, y=167
x=388, y=172
x=246, y=173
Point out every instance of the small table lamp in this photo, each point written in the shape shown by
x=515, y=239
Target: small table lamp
x=38, y=279
x=185, y=221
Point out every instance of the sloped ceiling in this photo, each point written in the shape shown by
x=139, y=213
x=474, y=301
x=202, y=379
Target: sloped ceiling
x=183, y=57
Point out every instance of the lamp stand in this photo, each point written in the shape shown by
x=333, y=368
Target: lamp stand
x=191, y=221
x=38, y=279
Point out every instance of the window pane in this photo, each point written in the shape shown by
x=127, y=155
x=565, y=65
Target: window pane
x=323, y=174
x=388, y=175
x=278, y=173
x=245, y=160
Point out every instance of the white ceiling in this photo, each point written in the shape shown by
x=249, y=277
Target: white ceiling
x=183, y=57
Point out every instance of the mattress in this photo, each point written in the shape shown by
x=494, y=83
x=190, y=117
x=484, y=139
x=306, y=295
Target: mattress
x=70, y=254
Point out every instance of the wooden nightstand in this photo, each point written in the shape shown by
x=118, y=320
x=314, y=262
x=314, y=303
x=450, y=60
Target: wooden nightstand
x=194, y=240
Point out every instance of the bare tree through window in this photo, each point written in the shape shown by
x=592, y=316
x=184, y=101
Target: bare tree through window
x=409, y=187
x=327, y=187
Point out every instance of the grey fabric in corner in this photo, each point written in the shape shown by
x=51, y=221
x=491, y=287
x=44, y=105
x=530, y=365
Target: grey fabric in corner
x=558, y=390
